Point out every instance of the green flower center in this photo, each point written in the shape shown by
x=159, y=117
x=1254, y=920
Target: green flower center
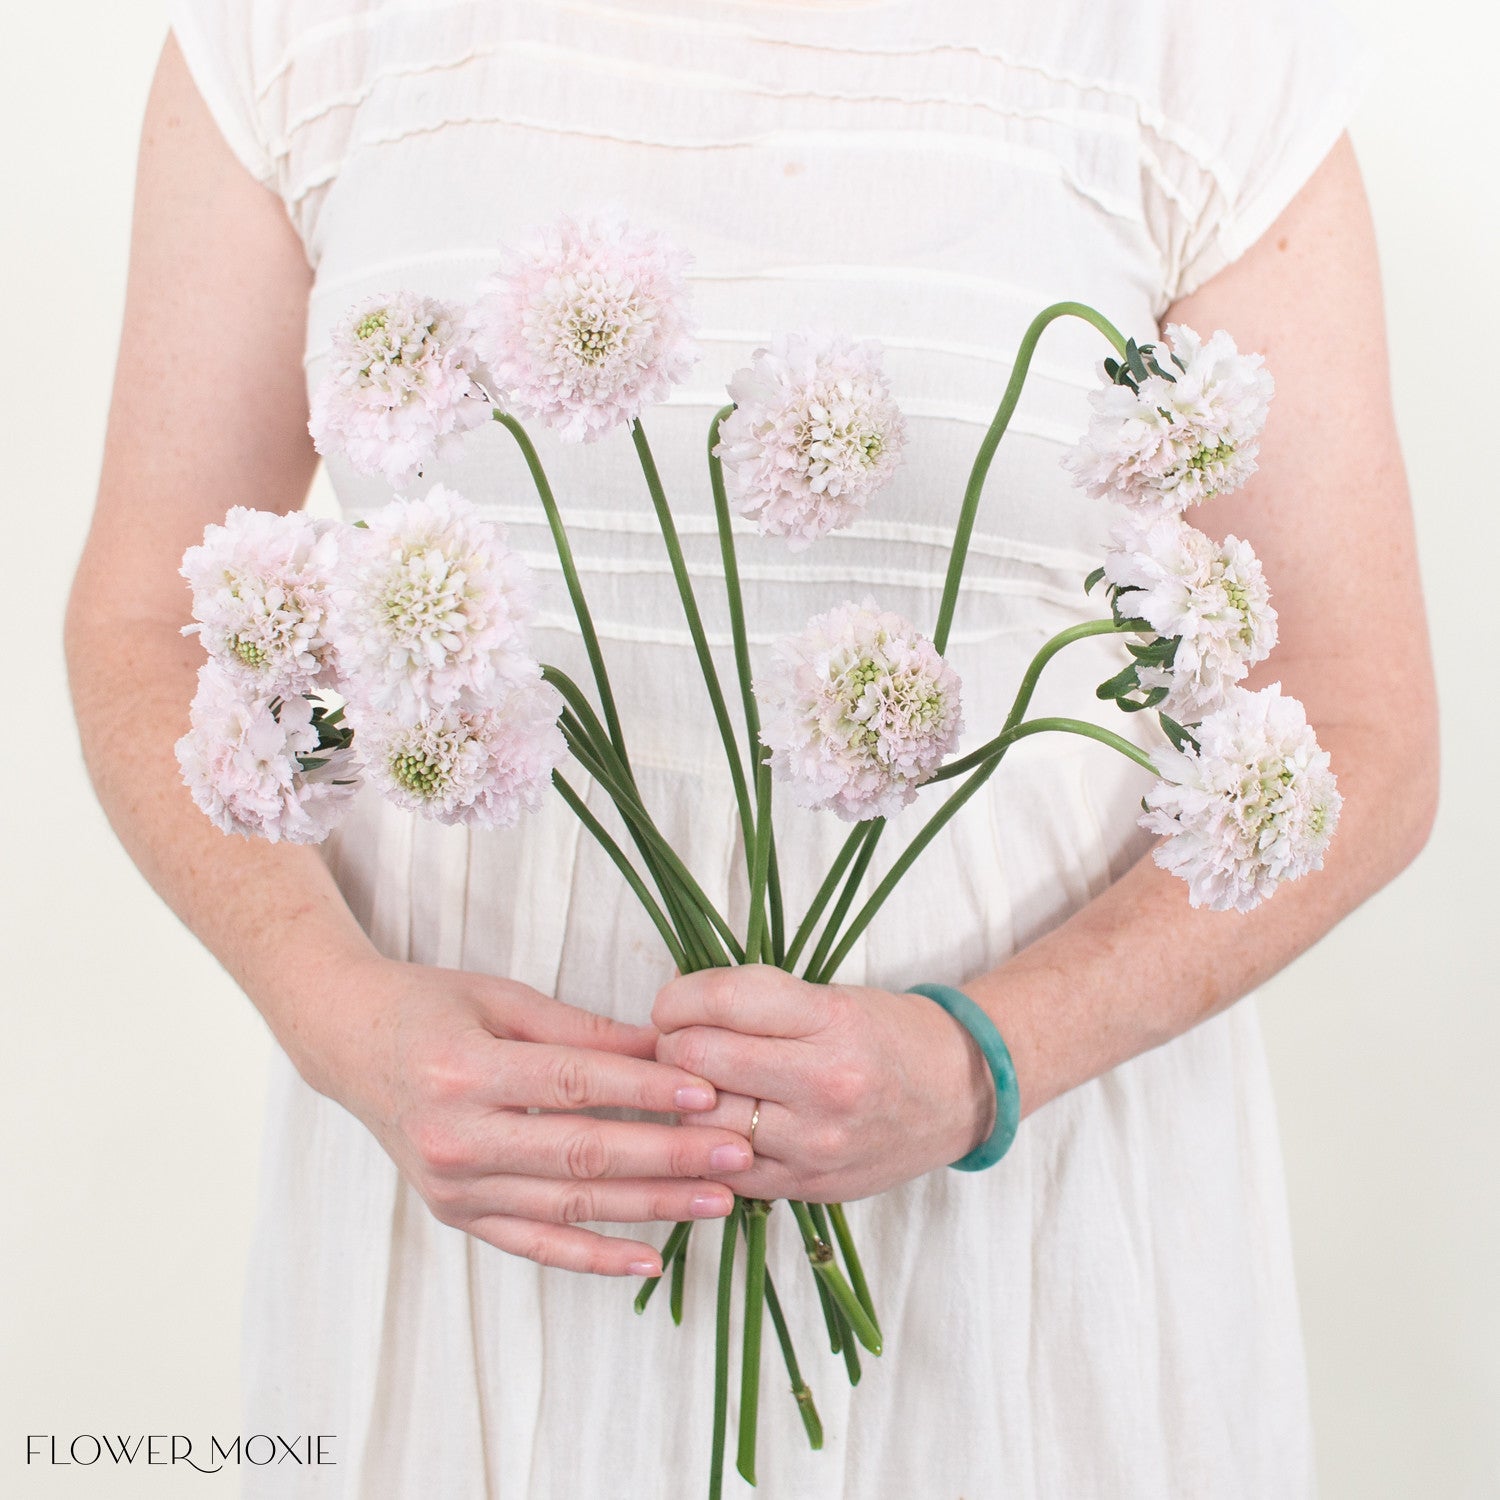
x=419, y=775
x=386, y=347
x=1239, y=601
x=1205, y=457
x=592, y=343
x=248, y=652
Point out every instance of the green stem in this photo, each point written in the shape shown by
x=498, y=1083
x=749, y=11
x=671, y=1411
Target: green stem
x=611, y=848
x=695, y=628
x=732, y=588
x=675, y=1241
x=964, y=532
x=571, y=579
x=598, y=758
x=840, y=1340
x=756, y=1211
x=778, y=916
x=852, y=1260
x=817, y=964
x=750, y=706
x=597, y=751
x=701, y=949
x=852, y=1366
x=820, y=1254
x=1028, y=687
x=930, y=830
x=721, y=1350
x=824, y=896
x=760, y=862
x=830, y=1317
x=679, y=1278
x=800, y=1389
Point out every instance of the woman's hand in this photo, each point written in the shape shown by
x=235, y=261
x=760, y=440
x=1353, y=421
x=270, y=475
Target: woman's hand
x=859, y=1089
x=443, y=1066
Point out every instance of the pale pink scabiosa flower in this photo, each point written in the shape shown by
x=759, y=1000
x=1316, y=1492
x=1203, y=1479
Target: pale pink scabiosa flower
x=261, y=586
x=813, y=435
x=859, y=710
x=401, y=390
x=1174, y=439
x=254, y=763
x=1211, y=596
x=483, y=766
x=586, y=324
x=431, y=608
x=1255, y=804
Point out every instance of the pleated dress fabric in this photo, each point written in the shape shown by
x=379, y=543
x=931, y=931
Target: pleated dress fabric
x=1111, y=1311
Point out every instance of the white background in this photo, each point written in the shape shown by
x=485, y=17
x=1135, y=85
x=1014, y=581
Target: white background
x=130, y=1075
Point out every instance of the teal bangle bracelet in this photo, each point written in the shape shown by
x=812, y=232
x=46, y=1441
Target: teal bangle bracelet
x=997, y=1055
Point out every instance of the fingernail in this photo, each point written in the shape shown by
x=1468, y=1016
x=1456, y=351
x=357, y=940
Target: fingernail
x=711, y=1206
x=693, y=1098
x=643, y=1268
x=729, y=1158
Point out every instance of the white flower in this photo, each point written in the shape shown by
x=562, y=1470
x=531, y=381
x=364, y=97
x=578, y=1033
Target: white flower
x=586, y=324
x=1254, y=805
x=1211, y=596
x=859, y=710
x=432, y=607
x=813, y=435
x=1176, y=442
x=401, y=389
x=252, y=762
x=484, y=767
x=260, y=596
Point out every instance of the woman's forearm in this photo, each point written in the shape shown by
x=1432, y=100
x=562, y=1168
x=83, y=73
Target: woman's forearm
x=1137, y=966
x=271, y=914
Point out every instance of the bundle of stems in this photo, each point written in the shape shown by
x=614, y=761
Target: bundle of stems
x=697, y=935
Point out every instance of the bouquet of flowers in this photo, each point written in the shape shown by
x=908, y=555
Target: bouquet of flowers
x=394, y=653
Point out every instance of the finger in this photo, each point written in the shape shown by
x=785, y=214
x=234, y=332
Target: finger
x=753, y=998
x=608, y=1200
x=582, y=1147
x=527, y=1015
x=731, y=1112
x=547, y=1077
x=778, y=1135
x=569, y=1248
x=762, y=1067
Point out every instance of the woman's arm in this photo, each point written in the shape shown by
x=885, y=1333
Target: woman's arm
x=209, y=411
x=1329, y=516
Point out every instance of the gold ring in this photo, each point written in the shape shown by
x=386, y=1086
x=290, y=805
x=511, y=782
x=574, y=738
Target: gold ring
x=754, y=1121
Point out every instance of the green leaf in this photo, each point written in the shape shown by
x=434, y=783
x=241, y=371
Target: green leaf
x=1148, y=352
x=1121, y=683
x=1176, y=733
x=1136, y=705
x=1093, y=578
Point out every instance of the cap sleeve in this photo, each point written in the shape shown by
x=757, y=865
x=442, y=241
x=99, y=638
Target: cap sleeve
x=1252, y=98
x=217, y=45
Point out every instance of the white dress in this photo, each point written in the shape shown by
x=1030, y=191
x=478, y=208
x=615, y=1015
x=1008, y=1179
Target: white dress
x=1111, y=1311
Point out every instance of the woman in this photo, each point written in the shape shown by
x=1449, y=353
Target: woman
x=1111, y=1310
